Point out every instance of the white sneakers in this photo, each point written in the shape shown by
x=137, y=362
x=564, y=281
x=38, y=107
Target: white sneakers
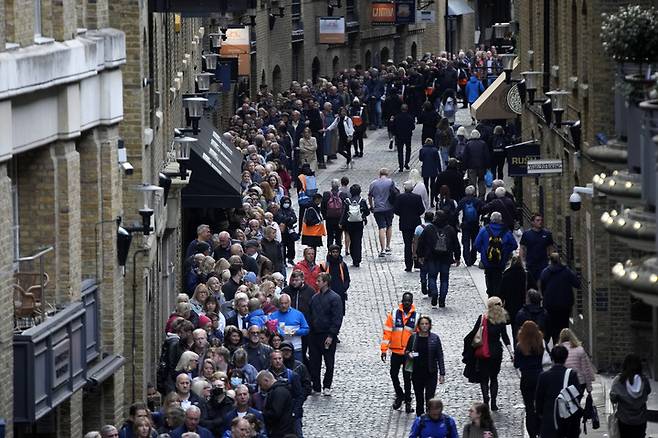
x=326, y=392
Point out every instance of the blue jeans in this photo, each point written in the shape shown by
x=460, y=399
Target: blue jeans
x=434, y=269
x=375, y=113
x=469, y=233
x=423, y=273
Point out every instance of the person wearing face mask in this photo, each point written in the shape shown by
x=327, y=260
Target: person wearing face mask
x=287, y=220
x=241, y=407
x=218, y=406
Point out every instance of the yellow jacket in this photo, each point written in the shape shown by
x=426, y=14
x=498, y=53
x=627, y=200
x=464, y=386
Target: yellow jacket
x=398, y=329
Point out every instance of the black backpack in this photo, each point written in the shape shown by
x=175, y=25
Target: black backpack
x=441, y=245
x=164, y=367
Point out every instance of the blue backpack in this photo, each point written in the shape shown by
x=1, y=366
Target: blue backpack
x=470, y=212
x=305, y=198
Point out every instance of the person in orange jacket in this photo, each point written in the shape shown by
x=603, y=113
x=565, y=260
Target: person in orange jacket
x=400, y=325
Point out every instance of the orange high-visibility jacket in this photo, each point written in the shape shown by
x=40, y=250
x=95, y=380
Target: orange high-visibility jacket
x=398, y=329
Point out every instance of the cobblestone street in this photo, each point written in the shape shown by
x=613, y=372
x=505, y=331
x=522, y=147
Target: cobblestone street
x=362, y=392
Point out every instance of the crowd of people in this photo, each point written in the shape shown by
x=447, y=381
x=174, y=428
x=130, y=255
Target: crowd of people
x=254, y=324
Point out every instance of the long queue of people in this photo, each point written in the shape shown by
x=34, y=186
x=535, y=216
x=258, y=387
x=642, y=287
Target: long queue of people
x=248, y=337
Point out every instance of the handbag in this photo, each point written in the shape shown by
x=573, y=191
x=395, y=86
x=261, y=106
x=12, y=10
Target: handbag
x=477, y=338
x=409, y=362
x=482, y=352
x=546, y=361
x=613, y=425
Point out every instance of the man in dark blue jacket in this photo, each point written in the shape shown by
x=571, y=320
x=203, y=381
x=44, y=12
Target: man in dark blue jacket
x=325, y=319
x=556, y=284
x=409, y=206
x=403, y=128
x=476, y=161
x=495, y=243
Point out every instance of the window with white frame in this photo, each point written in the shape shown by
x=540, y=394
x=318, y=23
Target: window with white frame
x=37, y=18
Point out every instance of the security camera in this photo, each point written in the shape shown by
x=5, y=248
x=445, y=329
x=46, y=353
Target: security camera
x=127, y=168
x=575, y=201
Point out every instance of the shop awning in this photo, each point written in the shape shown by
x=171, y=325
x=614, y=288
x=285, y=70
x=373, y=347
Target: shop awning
x=459, y=7
x=105, y=368
x=500, y=101
x=216, y=167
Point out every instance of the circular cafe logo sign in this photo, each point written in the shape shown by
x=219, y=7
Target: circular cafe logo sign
x=514, y=100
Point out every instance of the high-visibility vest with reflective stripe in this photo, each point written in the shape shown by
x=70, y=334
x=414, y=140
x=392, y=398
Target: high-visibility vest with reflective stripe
x=398, y=329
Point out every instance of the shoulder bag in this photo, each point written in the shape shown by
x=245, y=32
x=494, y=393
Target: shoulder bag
x=409, y=361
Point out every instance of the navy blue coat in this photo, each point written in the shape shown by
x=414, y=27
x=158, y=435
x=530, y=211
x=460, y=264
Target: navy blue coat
x=326, y=313
x=557, y=283
x=429, y=156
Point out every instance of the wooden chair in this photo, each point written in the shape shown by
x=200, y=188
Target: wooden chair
x=28, y=294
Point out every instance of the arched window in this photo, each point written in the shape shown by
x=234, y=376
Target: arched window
x=414, y=51
x=335, y=64
x=276, y=79
x=368, y=60
x=315, y=69
x=384, y=55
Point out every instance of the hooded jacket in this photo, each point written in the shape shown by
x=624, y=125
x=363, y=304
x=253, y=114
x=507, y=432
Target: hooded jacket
x=535, y=313
x=476, y=154
x=556, y=284
x=473, y=89
x=631, y=400
x=340, y=275
x=508, y=242
x=278, y=410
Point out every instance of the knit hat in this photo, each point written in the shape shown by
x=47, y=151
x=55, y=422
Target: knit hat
x=461, y=131
x=250, y=277
x=475, y=133
x=285, y=345
x=203, y=320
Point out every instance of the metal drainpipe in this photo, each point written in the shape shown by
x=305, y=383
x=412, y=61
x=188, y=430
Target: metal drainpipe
x=133, y=340
x=547, y=46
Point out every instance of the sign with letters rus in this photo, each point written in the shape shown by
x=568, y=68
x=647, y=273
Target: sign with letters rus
x=518, y=156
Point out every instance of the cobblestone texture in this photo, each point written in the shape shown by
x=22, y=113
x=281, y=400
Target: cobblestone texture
x=362, y=391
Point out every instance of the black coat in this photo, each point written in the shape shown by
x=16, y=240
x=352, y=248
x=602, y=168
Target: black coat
x=505, y=206
x=513, y=288
x=434, y=353
x=326, y=314
x=429, y=156
x=277, y=411
x=535, y=313
x=454, y=179
x=429, y=119
x=476, y=155
x=300, y=299
x=214, y=420
x=427, y=240
x=549, y=386
x=409, y=206
x=556, y=284
x=403, y=126
x=273, y=251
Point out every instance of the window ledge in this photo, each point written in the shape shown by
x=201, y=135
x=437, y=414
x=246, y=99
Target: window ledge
x=12, y=46
x=39, y=40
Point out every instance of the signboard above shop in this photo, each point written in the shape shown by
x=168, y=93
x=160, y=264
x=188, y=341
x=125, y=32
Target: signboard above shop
x=542, y=167
x=405, y=12
x=331, y=30
x=518, y=156
x=425, y=16
x=382, y=13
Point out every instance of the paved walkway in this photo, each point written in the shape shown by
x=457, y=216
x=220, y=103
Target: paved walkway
x=362, y=392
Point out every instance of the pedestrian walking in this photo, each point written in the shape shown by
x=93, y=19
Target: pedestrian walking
x=325, y=319
x=513, y=288
x=359, y=117
x=427, y=220
x=629, y=393
x=549, y=384
x=533, y=311
x=434, y=424
x=403, y=126
x=431, y=165
x=381, y=199
x=495, y=243
x=452, y=177
x=429, y=118
x=503, y=205
x=473, y=90
x=340, y=273
x=446, y=203
x=419, y=188
x=313, y=227
x=476, y=161
x=556, y=284
x=400, y=324
x=469, y=207
x=536, y=244
x=481, y=424
x=307, y=187
x=482, y=345
x=438, y=248
x=343, y=124
x=528, y=354
x=308, y=146
x=578, y=360
x=355, y=217
x=333, y=203
x=498, y=143
x=409, y=207
x=444, y=140
x=425, y=352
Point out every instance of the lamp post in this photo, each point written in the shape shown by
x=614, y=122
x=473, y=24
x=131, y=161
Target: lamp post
x=532, y=83
x=508, y=65
x=193, y=112
x=558, y=103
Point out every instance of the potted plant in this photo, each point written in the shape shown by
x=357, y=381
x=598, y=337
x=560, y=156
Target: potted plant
x=629, y=37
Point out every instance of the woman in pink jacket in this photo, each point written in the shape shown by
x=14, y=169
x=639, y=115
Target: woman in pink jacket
x=578, y=359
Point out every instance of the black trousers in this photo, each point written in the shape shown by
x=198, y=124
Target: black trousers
x=493, y=277
x=345, y=149
x=559, y=319
x=497, y=165
x=334, y=233
x=424, y=390
x=528, y=388
x=355, y=230
x=408, y=238
x=288, y=247
x=357, y=139
x=397, y=362
x=406, y=144
x=317, y=354
x=319, y=152
x=632, y=430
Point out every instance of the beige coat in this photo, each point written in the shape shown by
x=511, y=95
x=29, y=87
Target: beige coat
x=307, y=150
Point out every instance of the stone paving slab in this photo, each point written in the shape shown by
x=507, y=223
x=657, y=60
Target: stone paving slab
x=362, y=392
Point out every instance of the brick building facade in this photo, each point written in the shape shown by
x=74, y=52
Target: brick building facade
x=609, y=320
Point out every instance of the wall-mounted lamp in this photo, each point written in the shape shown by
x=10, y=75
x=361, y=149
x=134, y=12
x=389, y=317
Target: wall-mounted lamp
x=508, y=65
x=203, y=81
x=501, y=30
x=547, y=111
x=211, y=62
x=558, y=103
x=273, y=16
x=124, y=234
x=532, y=79
x=182, y=146
x=193, y=112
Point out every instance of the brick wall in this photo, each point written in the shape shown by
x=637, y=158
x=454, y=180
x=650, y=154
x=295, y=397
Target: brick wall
x=19, y=22
x=6, y=295
x=2, y=26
